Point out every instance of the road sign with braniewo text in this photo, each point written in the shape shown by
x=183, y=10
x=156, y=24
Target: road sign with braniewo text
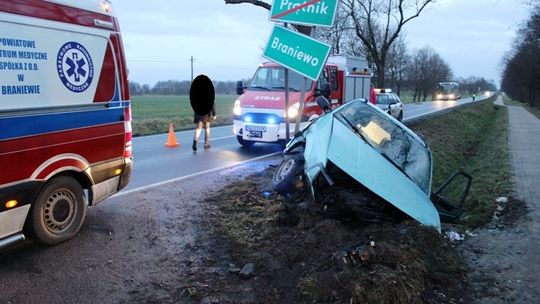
x=305, y=12
x=297, y=52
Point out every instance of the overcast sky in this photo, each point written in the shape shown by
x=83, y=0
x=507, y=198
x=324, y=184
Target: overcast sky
x=227, y=41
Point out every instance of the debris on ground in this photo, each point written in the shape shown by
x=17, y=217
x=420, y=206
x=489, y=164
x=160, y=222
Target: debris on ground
x=454, y=236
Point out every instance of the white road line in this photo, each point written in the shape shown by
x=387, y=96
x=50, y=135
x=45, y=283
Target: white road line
x=218, y=138
x=121, y=193
x=184, y=131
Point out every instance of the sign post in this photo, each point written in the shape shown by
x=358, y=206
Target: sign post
x=295, y=51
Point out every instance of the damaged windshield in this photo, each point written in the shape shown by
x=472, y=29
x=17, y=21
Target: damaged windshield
x=398, y=146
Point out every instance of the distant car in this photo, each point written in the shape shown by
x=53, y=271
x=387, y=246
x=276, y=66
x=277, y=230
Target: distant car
x=390, y=103
x=359, y=157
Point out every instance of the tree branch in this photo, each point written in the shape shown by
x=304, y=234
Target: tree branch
x=254, y=2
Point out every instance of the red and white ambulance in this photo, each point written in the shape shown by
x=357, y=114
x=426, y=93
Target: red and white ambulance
x=65, y=118
x=259, y=113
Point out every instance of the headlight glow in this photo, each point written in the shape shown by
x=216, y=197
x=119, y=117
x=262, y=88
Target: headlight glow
x=293, y=110
x=271, y=120
x=247, y=119
x=439, y=96
x=237, y=109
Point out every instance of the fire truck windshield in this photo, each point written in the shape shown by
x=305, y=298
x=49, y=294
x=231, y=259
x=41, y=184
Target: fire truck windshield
x=273, y=79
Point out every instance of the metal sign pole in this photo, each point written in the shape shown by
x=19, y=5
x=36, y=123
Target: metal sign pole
x=287, y=126
x=301, y=107
x=302, y=98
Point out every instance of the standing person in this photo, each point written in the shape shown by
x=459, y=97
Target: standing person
x=202, y=97
x=203, y=121
x=372, y=94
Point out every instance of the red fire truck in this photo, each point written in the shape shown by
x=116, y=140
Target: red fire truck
x=259, y=112
x=65, y=118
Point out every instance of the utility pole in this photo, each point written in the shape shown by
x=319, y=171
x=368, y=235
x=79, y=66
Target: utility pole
x=192, y=59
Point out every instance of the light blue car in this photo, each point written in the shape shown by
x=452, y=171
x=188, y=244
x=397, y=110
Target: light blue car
x=358, y=157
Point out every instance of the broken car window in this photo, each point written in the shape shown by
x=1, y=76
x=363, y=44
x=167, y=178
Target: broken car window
x=401, y=148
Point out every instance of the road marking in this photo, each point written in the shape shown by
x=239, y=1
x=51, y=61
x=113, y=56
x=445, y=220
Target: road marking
x=122, y=193
x=178, y=133
x=218, y=138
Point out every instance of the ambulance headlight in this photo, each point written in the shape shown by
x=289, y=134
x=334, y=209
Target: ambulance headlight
x=237, y=110
x=293, y=110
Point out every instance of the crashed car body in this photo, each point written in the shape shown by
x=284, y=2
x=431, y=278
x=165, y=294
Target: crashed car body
x=376, y=150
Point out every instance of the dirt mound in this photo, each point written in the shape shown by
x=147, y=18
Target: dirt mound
x=311, y=258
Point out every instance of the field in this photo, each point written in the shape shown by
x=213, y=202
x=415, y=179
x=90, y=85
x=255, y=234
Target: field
x=153, y=113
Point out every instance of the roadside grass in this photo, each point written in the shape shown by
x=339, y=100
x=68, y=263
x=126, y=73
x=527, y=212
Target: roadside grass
x=474, y=139
x=153, y=113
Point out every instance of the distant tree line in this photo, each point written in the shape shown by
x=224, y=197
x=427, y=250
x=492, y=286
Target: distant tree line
x=176, y=87
x=521, y=74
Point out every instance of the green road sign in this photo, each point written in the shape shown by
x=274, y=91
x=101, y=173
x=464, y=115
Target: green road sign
x=306, y=12
x=298, y=52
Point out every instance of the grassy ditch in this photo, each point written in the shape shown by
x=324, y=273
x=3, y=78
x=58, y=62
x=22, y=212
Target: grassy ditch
x=297, y=256
x=474, y=139
x=153, y=113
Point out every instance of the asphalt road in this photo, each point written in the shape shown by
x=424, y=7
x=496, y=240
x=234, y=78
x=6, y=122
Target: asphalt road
x=155, y=164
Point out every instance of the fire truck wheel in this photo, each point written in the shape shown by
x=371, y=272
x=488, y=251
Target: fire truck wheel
x=245, y=143
x=58, y=212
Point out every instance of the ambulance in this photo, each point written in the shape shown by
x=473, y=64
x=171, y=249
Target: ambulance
x=65, y=116
x=259, y=111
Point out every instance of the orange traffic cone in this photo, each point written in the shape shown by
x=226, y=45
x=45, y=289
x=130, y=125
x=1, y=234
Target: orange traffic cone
x=171, y=141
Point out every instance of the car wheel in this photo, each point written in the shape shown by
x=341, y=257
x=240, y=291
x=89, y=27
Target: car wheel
x=58, y=212
x=400, y=116
x=287, y=175
x=245, y=143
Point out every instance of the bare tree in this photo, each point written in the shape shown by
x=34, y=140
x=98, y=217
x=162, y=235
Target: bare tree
x=254, y=2
x=378, y=23
x=339, y=35
x=426, y=70
x=522, y=67
x=396, y=64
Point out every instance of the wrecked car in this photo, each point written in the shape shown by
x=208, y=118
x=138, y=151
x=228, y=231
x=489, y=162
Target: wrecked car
x=359, y=158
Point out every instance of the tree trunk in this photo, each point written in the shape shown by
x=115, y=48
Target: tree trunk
x=380, y=75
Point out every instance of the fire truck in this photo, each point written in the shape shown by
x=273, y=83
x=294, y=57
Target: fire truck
x=259, y=112
x=65, y=116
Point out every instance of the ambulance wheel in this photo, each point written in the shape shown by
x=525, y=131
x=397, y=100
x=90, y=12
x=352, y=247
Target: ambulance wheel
x=245, y=143
x=58, y=212
x=287, y=175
